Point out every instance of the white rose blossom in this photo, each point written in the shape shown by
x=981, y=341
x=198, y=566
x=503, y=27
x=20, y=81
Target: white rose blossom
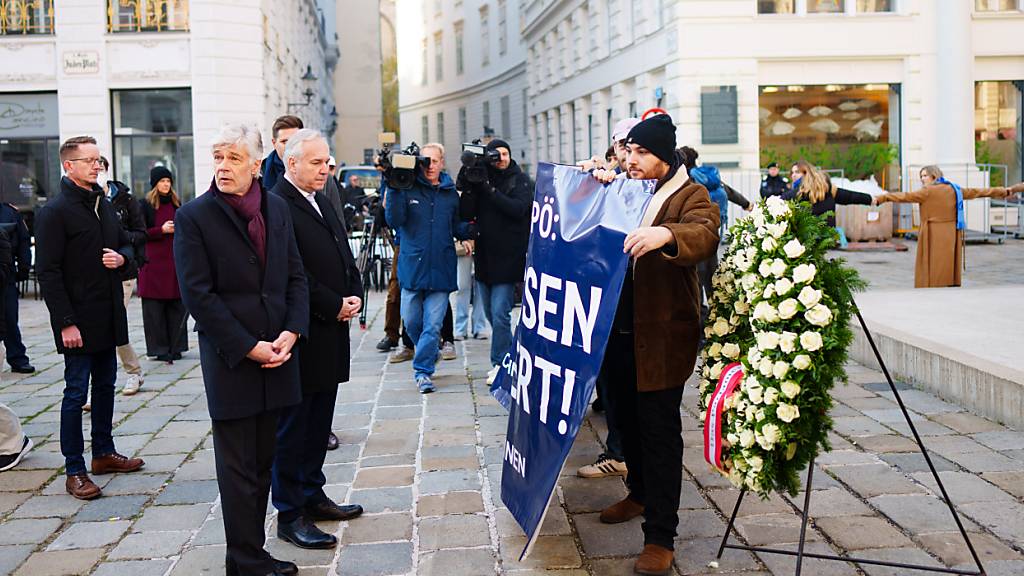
x=809, y=297
x=755, y=463
x=804, y=273
x=716, y=370
x=747, y=438
x=714, y=350
x=765, y=267
x=772, y=433
x=790, y=389
x=819, y=315
x=756, y=395
x=778, y=268
x=777, y=230
x=765, y=367
x=721, y=327
x=794, y=249
x=741, y=306
x=769, y=292
x=811, y=341
x=783, y=286
x=802, y=362
x=769, y=244
x=780, y=369
x=771, y=395
x=787, y=342
x=787, y=412
x=731, y=350
x=788, y=308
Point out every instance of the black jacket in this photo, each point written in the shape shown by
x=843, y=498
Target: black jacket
x=71, y=232
x=236, y=302
x=773, y=186
x=12, y=222
x=501, y=209
x=6, y=272
x=129, y=213
x=332, y=275
x=831, y=199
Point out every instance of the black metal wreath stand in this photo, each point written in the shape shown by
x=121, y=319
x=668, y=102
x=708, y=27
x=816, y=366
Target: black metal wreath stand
x=801, y=554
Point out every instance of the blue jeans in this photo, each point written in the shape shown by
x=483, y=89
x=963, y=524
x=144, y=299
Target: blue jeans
x=497, y=299
x=463, y=297
x=16, y=356
x=423, y=313
x=102, y=367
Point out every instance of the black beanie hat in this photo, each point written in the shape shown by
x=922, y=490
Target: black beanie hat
x=157, y=174
x=657, y=134
x=499, y=143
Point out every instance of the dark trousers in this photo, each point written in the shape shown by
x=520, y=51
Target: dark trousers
x=243, y=453
x=165, y=326
x=101, y=367
x=16, y=356
x=613, y=443
x=653, y=443
x=298, y=476
x=705, y=272
x=393, y=303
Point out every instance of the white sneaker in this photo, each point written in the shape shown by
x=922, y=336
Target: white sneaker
x=132, y=385
x=603, y=467
x=492, y=374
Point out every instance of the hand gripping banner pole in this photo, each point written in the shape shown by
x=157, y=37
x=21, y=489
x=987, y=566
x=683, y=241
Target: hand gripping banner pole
x=804, y=513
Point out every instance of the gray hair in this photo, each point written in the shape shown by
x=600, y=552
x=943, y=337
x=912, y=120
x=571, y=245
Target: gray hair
x=239, y=134
x=295, y=143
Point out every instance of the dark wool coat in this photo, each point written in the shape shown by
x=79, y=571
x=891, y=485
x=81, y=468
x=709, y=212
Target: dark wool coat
x=129, y=213
x=71, y=232
x=332, y=275
x=666, y=295
x=158, y=279
x=501, y=210
x=236, y=302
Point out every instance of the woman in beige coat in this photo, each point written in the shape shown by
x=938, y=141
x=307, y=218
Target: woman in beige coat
x=940, y=245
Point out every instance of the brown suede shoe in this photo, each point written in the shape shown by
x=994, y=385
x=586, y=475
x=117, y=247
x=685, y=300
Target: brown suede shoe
x=115, y=463
x=622, y=511
x=82, y=487
x=654, y=561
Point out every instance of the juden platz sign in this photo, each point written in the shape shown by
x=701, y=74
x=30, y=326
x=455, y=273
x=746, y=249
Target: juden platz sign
x=574, y=273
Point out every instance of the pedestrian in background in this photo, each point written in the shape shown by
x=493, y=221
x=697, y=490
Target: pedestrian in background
x=500, y=207
x=14, y=444
x=773, y=183
x=80, y=251
x=13, y=223
x=467, y=325
x=273, y=166
x=129, y=214
x=163, y=314
x=815, y=187
x=241, y=279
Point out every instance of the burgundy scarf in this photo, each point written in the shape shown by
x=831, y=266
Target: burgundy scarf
x=248, y=207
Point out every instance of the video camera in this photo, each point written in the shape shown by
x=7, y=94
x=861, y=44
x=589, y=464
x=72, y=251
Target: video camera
x=399, y=166
x=475, y=158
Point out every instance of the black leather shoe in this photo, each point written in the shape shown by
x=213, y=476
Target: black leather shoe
x=330, y=511
x=304, y=534
x=332, y=441
x=281, y=567
x=26, y=369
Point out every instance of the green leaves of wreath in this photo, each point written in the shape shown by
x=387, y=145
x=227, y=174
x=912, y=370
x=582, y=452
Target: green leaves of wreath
x=781, y=307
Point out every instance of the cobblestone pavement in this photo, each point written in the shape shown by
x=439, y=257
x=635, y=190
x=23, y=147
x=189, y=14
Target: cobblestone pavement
x=427, y=469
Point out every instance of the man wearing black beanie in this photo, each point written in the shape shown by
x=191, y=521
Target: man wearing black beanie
x=656, y=333
x=500, y=206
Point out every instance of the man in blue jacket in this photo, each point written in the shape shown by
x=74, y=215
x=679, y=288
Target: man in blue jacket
x=426, y=217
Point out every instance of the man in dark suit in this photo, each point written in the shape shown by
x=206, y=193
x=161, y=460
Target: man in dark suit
x=80, y=252
x=335, y=297
x=241, y=279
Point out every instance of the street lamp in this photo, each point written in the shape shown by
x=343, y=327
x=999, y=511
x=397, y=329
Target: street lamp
x=307, y=79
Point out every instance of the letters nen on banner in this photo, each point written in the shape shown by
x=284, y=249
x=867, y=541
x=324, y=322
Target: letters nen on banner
x=575, y=267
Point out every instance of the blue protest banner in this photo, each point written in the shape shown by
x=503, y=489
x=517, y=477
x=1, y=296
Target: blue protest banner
x=574, y=273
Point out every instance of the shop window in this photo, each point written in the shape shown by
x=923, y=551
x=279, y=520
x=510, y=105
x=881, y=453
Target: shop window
x=29, y=168
x=996, y=5
x=147, y=15
x=842, y=127
x=775, y=7
x=997, y=122
x=825, y=6
x=26, y=17
x=868, y=6
x=153, y=128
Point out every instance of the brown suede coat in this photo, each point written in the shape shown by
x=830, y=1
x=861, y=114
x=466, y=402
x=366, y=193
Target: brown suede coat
x=940, y=253
x=666, y=293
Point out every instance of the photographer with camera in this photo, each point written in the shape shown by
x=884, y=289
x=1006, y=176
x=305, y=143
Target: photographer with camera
x=422, y=206
x=497, y=196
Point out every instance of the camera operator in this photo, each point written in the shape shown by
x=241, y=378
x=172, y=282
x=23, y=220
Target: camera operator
x=500, y=206
x=426, y=218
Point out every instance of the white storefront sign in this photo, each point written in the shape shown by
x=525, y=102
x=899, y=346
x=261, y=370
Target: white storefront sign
x=28, y=115
x=81, y=62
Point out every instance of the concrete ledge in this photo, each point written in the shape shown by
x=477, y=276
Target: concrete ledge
x=982, y=387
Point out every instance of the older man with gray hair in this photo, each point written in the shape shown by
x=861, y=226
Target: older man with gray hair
x=242, y=280
x=335, y=297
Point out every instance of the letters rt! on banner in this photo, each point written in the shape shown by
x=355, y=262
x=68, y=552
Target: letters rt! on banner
x=574, y=273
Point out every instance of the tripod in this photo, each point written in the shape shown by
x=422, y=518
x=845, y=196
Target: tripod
x=374, y=260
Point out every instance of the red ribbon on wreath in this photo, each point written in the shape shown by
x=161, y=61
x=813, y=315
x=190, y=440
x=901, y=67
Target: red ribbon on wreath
x=730, y=378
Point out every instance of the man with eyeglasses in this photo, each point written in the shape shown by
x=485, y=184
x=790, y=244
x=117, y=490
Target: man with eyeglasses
x=80, y=252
